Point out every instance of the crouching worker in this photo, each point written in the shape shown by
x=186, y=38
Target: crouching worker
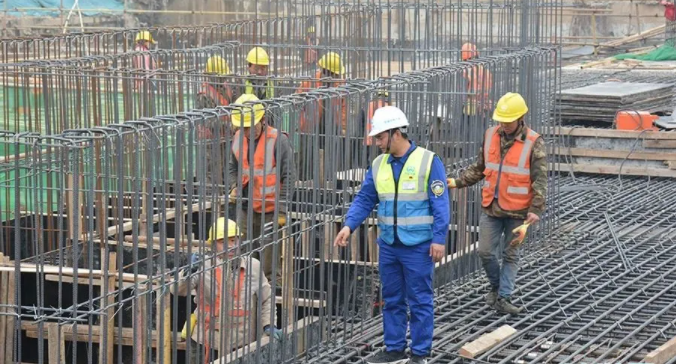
x=229, y=289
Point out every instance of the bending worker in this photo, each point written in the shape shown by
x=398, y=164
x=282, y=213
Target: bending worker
x=408, y=183
x=513, y=162
x=229, y=290
x=269, y=188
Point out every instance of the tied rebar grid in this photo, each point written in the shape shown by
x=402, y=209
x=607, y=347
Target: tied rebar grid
x=592, y=294
x=366, y=28
x=96, y=182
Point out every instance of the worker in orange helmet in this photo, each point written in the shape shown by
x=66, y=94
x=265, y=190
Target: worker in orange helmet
x=477, y=105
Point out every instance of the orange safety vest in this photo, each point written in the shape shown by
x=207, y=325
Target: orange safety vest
x=511, y=173
x=479, y=83
x=206, y=308
x=264, y=168
x=313, y=113
x=373, y=106
x=222, y=100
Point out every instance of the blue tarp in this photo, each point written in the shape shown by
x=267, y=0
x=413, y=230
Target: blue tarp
x=30, y=7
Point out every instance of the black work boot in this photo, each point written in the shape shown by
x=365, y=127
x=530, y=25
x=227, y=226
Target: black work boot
x=389, y=357
x=416, y=359
x=505, y=305
x=492, y=297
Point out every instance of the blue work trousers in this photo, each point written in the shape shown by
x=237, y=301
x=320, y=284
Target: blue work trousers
x=406, y=274
x=491, y=243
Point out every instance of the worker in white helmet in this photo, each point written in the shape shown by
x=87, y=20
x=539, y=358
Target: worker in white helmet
x=229, y=288
x=408, y=183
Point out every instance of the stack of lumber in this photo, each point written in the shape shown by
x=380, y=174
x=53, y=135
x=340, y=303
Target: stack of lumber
x=633, y=38
x=600, y=102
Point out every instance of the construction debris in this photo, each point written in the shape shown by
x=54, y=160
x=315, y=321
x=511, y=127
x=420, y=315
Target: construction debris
x=486, y=341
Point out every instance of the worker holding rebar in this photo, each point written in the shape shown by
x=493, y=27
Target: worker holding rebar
x=314, y=115
x=229, y=290
x=512, y=163
x=408, y=183
x=258, y=84
x=269, y=189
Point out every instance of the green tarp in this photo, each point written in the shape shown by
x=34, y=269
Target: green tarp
x=666, y=52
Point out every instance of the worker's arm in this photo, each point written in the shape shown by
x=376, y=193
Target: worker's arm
x=287, y=172
x=232, y=171
x=438, y=195
x=538, y=177
x=186, y=282
x=473, y=173
x=265, y=294
x=363, y=203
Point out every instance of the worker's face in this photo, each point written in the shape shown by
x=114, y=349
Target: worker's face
x=258, y=129
x=510, y=128
x=382, y=140
x=233, y=243
x=258, y=70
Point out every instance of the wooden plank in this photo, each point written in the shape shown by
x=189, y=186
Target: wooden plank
x=486, y=341
x=615, y=170
x=302, y=302
x=4, y=293
x=612, y=133
x=69, y=271
x=305, y=240
x=140, y=317
x=56, y=343
x=663, y=354
x=354, y=245
x=616, y=154
x=164, y=325
x=107, y=321
x=666, y=144
x=288, y=308
x=372, y=241
x=11, y=320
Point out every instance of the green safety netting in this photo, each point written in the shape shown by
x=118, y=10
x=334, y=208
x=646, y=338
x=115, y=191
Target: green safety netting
x=666, y=52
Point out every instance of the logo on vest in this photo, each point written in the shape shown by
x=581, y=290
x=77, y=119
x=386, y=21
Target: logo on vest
x=437, y=188
x=410, y=171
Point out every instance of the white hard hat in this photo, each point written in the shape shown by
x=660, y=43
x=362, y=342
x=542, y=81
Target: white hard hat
x=387, y=118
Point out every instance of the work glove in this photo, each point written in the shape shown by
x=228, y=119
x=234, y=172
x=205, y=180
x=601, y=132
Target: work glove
x=451, y=183
x=273, y=332
x=520, y=233
x=281, y=220
x=189, y=325
x=233, y=196
x=194, y=263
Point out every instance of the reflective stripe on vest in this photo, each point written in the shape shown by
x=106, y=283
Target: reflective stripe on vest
x=413, y=210
x=514, y=191
x=269, y=89
x=264, y=167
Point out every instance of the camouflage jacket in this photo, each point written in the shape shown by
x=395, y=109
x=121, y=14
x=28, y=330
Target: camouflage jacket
x=538, y=176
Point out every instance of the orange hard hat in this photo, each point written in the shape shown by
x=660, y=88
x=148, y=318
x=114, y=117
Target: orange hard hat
x=469, y=51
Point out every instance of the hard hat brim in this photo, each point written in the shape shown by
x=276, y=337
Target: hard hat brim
x=505, y=119
x=258, y=116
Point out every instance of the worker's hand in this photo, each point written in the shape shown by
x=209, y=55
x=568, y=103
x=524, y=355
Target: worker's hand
x=531, y=219
x=341, y=238
x=281, y=220
x=273, y=332
x=451, y=182
x=520, y=233
x=437, y=252
x=233, y=196
x=195, y=260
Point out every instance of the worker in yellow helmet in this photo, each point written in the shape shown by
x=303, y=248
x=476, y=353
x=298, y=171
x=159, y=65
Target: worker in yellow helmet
x=513, y=164
x=267, y=191
x=258, y=63
x=312, y=118
x=146, y=65
x=217, y=91
x=225, y=279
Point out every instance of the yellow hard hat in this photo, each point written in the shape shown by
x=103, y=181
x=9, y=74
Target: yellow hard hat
x=259, y=56
x=216, y=64
x=331, y=62
x=256, y=109
x=220, y=228
x=145, y=35
x=510, y=108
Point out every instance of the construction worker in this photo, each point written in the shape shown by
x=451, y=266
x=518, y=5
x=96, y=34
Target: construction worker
x=147, y=65
x=312, y=118
x=229, y=290
x=408, y=183
x=309, y=52
x=215, y=92
x=258, y=63
x=143, y=41
x=513, y=163
x=269, y=189
x=479, y=81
